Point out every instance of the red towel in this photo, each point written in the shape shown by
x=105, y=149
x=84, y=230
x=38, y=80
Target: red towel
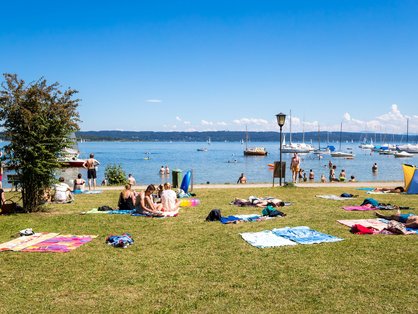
x=360, y=229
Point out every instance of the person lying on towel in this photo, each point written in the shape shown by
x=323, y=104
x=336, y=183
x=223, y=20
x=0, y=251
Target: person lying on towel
x=410, y=220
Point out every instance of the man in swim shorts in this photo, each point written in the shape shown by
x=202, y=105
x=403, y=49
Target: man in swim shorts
x=90, y=164
x=294, y=167
x=410, y=220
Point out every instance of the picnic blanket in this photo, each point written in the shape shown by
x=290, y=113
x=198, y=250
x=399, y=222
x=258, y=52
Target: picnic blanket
x=87, y=192
x=365, y=189
x=265, y=239
x=24, y=241
x=334, y=197
x=46, y=242
x=129, y=212
x=287, y=236
x=304, y=235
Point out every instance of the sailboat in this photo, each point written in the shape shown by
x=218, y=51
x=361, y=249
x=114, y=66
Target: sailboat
x=69, y=155
x=321, y=151
x=348, y=154
x=409, y=148
x=255, y=151
x=296, y=147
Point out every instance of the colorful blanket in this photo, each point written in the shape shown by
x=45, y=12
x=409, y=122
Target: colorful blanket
x=360, y=208
x=287, y=236
x=334, y=197
x=129, y=212
x=24, y=241
x=46, y=242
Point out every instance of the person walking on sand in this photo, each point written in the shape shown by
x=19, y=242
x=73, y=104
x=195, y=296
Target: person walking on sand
x=91, y=164
x=294, y=167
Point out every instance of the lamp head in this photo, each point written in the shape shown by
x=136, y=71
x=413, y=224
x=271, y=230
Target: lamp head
x=281, y=118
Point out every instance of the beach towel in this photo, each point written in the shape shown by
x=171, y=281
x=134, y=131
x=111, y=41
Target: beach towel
x=360, y=208
x=95, y=211
x=258, y=201
x=92, y=192
x=59, y=244
x=265, y=239
x=304, y=235
x=334, y=197
x=377, y=224
x=365, y=189
x=23, y=241
x=46, y=242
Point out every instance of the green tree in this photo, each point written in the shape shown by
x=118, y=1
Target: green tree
x=37, y=119
x=115, y=175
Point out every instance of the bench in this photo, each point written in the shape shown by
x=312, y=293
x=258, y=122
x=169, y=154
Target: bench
x=14, y=180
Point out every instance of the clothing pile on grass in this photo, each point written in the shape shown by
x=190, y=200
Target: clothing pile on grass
x=372, y=204
x=268, y=212
x=343, y=197
x=378, y=226
x=122, y=241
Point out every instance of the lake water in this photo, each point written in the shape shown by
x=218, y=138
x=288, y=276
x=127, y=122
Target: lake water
x=223, y=162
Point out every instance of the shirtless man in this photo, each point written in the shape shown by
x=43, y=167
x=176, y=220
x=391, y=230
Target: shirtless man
x=90, y=164
x=410, y=220
x=294, y=167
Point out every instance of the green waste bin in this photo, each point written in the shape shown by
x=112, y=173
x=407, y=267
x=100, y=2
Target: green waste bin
x=176, y=176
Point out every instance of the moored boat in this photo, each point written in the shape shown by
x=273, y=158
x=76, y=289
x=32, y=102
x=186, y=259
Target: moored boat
x=403, y=154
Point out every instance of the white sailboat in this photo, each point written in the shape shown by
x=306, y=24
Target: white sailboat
x=340, y=153
x=295, y=147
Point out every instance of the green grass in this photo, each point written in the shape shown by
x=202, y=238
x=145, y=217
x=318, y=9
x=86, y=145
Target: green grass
x=185, y=264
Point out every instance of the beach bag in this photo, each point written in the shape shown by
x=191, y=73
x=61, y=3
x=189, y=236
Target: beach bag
x=214, y=215
x=346, y=195
x=9, y=207
x=104, y=208
x=396, y=227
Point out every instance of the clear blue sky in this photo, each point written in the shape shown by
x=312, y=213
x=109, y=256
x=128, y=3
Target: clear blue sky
x=221, y=65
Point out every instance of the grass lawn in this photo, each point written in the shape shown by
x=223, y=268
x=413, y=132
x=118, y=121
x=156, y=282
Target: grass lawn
x=185, y=264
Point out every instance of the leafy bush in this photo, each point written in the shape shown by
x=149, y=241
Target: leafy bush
x=115, y=175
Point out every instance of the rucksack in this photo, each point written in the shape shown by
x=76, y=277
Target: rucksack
x=104, y=208
x=214, y=215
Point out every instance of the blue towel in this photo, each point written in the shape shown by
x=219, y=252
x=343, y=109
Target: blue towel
x=122, y=212
x=304, y=235
x=365, y=189
x=229, y=219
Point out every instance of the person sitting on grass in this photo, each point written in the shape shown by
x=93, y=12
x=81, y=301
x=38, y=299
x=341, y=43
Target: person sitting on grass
x=62, y=192
x=145, y=205
x=169, y=200
x=79, y=183
x=127, y=198
x=410, y=220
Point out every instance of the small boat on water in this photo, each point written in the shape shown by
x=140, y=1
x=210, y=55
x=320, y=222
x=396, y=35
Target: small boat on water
x=203, y=149
x=69, y=155
x=403, y=154
x=254, y=151
x=69, y=162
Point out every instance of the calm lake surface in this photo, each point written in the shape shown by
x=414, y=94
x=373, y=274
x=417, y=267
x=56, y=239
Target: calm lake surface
x=223, y=162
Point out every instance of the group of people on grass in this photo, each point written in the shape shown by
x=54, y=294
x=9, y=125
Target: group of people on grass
x=153, y=201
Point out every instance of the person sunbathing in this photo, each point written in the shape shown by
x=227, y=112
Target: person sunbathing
x=398, y=189
x=259, y=202
x=410, y=220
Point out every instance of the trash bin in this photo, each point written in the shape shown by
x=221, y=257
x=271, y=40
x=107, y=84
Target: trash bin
x=176, y=177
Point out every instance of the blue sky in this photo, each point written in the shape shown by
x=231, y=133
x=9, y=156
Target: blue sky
x=221, y=65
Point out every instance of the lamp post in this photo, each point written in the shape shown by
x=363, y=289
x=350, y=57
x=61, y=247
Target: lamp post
x=281, y=118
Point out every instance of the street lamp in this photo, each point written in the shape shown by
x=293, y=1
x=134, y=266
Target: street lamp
x=281, y=118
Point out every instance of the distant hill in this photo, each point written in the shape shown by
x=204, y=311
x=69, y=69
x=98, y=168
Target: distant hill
x=235, y=136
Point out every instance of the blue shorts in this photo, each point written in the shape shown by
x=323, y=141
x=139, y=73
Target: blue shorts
x=404, y=217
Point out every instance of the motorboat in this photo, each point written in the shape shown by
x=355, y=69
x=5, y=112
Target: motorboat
x=71, y=162
x=409, y=148
x=203, y=149
x=403, y=154
x=254, y=151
